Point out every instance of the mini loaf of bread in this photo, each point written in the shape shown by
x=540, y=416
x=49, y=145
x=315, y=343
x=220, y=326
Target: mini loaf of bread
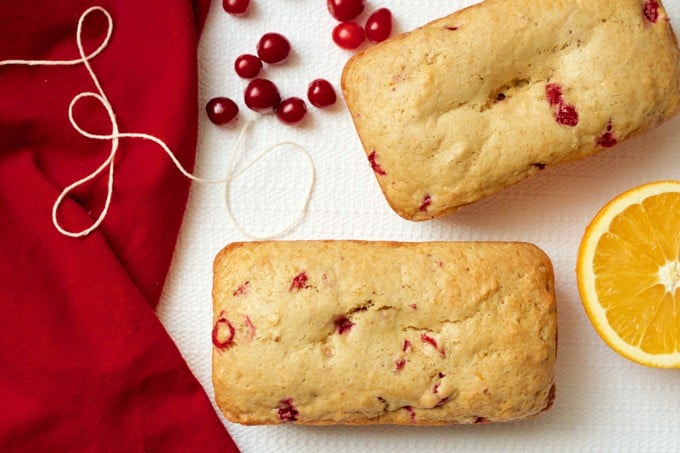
x=382, y=332
x=477, y=101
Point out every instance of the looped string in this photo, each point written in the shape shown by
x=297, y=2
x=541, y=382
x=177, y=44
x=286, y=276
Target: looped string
x=231, y=176
x=115, y=136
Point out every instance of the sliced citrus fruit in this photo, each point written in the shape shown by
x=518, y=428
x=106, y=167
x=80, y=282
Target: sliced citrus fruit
x=628, y=273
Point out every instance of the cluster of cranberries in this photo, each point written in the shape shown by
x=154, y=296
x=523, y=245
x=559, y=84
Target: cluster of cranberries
x=348, y=34
x=262, y=95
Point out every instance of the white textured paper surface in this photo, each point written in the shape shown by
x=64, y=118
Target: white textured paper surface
x=603, y=401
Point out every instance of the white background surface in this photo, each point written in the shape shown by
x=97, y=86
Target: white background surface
x=603, y=401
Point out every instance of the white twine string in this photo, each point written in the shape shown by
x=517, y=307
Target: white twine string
x=231, y=176
x=116, y=135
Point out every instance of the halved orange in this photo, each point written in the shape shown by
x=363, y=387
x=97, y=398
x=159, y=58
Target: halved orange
x=628, y=273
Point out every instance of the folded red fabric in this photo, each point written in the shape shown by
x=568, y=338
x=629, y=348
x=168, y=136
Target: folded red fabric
x=85, y=364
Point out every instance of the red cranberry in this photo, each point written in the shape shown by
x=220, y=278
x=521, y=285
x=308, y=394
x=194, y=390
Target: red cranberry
x=342, y=324
x=442, y=402
x=219, y=327
x=221, y=110
x=299, y=282
x=291, y=110
x=427, y=201
x=251, y=327
x=348, y=35
x=651, y=10
x=425, y=338
x=236, y=7
x=372, y=159
x=607, y=140
x=247, y=66
x=411, y=413
x=287, y=412
x=407, y=345
x=344, y=10
x=567, y=115
x=553, y=92
x=261, y=95
x=241, y=290
x=273, y=48
x=379, y=25
x=399, y=364
x=321, y=93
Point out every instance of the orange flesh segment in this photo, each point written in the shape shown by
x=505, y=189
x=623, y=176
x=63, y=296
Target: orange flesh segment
x=627, y=262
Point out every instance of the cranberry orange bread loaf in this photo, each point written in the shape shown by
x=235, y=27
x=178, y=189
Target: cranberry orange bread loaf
x=477, y=101
x=321, y=332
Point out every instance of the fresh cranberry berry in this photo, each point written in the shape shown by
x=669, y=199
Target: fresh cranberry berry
x=379, y=25
x=221, y=110
x=261, y=95
x=236, y=7
x=321, y=93
x=344, y=10
x=291, y=110
x=247, y=66
x=273, y=48
x=348, y=35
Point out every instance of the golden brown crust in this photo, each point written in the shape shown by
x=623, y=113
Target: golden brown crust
x=459, y=109
x=359, y=332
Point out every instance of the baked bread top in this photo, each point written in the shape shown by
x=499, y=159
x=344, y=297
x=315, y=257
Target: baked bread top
x=320, y=332
x=476, y=101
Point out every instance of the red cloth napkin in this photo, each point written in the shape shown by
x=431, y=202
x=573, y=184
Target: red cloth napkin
x=85, y=364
